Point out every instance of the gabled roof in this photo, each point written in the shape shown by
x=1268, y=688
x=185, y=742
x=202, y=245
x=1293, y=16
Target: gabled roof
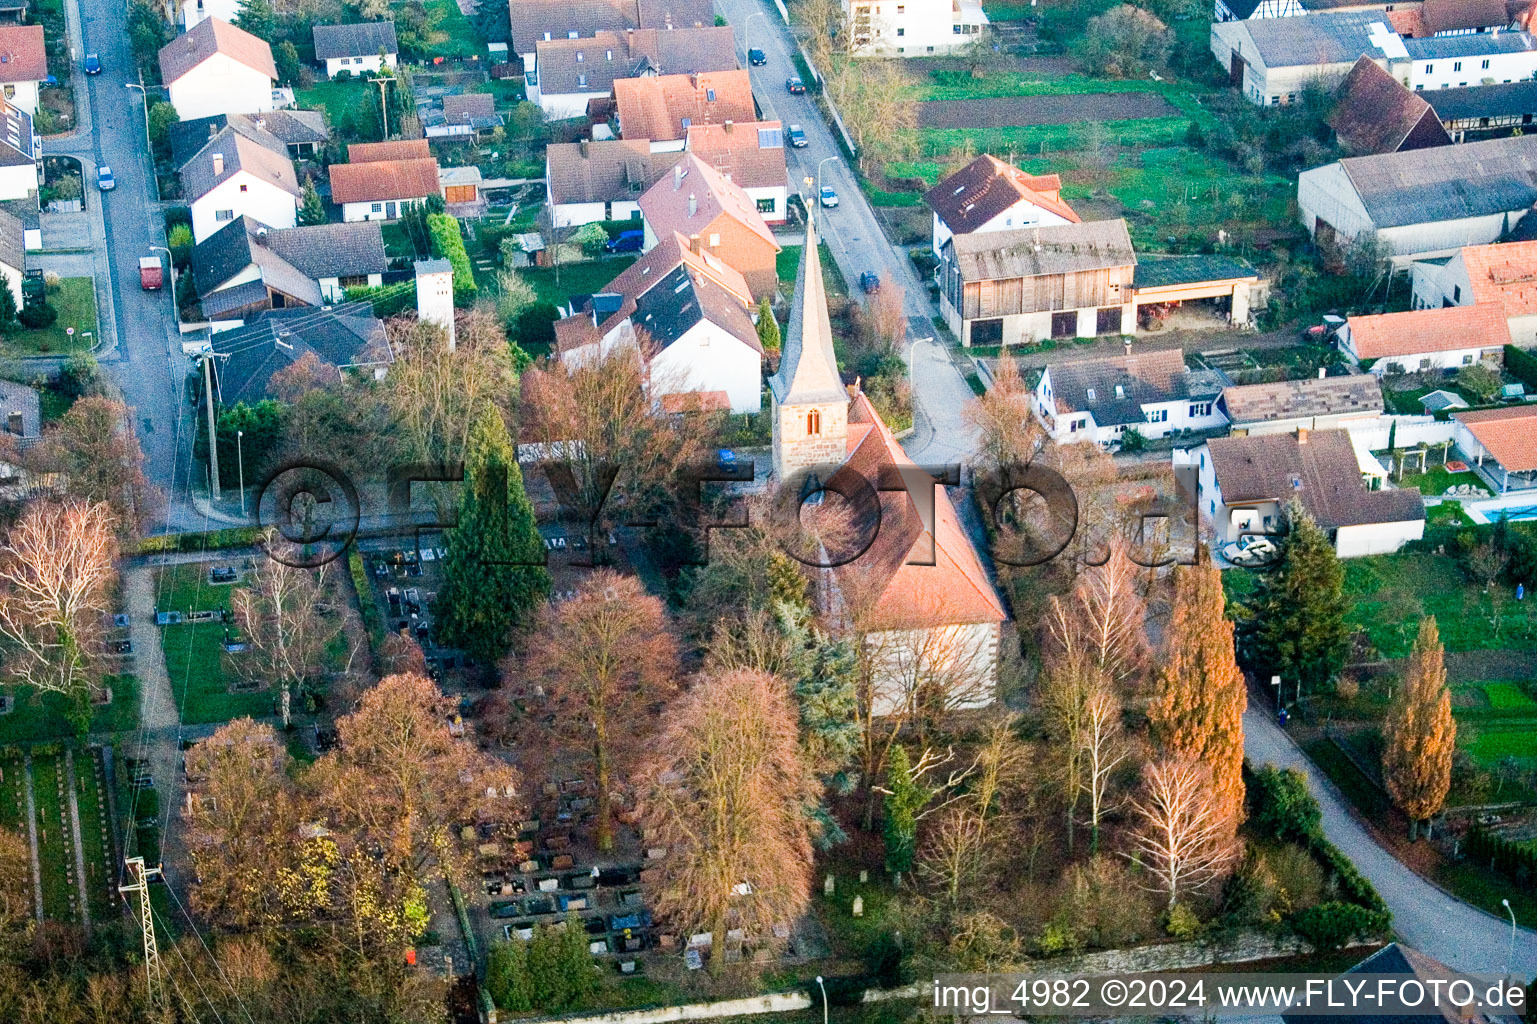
x=678, y=302
x=592, y=64
x=1510, y=435
x=23, y=57
x=1451, y=15
x=600, y=172
x=273, y=340
x=674, y=14
x=915, y=574
x=397, y=149
x=1320, y=470
x=469, y=107
x=1386, y=335
x=1470, y=44
x=1115, y=388
x=231, y=250
x=656, y=108
x=532, y=19
x=1504, y=273
x=290, y=127
x=13, y=241
x=808, y=365
x=1037, y=252
x=19, y=398
x=311, y=252
x=384, y=180
x=362, y=39
x=1296, y=399
x=695, y=196
x=750, y=154
x=1476, y=179
x=1500, y=99
x=1319, y=39
x=1376, y=113
x=211, y=36
x=986, y=187
x=239, y=150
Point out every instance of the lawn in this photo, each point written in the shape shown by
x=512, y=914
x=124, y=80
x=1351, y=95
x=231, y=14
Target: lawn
x=95, y=838
x=55, y=850
x=75, y=299
x=337, y=98
x=574, y=278
x=39, y=717
x=185, y=588
x=1390, y=593
x=449, y=33
x=1437, y=480
x=194, y=661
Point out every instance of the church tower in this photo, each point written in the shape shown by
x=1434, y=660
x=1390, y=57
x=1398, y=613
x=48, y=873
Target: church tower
x=810, y=411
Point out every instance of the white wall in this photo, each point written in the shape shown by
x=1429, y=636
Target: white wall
x=11, y=276
x=916, y=28
x=572, y=215
x=22, y=95
x=352, y=212
x=1023, y=214
x=708, y=358
x=18, y=182
x=966, y=655
x=1410, y=362
x=1376, y=538
x=1436, y=285
x=194, y=11
x=262, y=201
x=778, y=195
x=361, y=65
x=332, y=291
x=1326, y=192
x=221, y=85
x=1176, y=416
x=1449, y=73
x=562, y=106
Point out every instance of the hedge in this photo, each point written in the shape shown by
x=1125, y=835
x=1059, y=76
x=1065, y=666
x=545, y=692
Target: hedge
x=388, y=300
x=1516, y=860
x=166, y=543
x=1337, y=924
x=373, y=618
x=448, y=244
x=1521, y=365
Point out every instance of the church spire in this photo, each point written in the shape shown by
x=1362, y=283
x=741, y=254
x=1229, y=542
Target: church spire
x=808, y=368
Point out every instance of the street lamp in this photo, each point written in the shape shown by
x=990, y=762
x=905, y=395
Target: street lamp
x=1510, y=952
x=824, y=998
x=824, y=160
x=240, y=459
x=149, y=144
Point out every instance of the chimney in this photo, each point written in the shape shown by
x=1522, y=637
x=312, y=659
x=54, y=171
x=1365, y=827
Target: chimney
x=693, y=244
x=1323, y=371
x=1302, y=435
x=677, y=176
x=261, y=235
x=13, y=424
x=693, y=204
x=213, y=132
x=585, y=147
x=727, y=127
x=1128, y=348
x=218, y=164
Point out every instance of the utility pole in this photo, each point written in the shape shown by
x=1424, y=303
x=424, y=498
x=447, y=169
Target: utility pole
x=154, y=974
x=213, y=437
x=384, y=104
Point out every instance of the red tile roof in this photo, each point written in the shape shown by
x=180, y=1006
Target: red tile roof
x=666, y=205
x=399, y=149
x=655, y=108
x=211, y=36
x=736, y=151
x=1504, y=273
x=380, y=180
x=1510, y=435
x=22, y=55
x=1429, y=330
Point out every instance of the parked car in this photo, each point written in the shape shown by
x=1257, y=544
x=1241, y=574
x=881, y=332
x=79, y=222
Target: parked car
x=795, y=85
x=92, y=64
x=104, y=179
x=628, y=241
x=151, y=273
x=798, y=137
x=727, y=458
x=756, y=57
x=1249, y=550
x=869, y=282
x=829, y=197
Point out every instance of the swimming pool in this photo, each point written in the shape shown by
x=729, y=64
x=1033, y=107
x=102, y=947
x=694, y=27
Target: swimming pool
x=1524, y=513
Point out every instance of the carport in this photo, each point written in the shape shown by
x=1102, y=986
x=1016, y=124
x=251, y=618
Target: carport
x=1169, y=281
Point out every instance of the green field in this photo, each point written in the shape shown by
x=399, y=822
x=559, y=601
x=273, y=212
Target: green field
x=1389, y=593
x=194, y=662
x=1509, y=697
x=449, y=33
x=55, y=848
x=39, y=717
x=75, y=299
x=185, y=588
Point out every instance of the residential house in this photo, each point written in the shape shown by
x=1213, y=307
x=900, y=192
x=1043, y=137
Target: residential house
x=21, y=152
x=547, y=20
x=194, y=11
x=751, y=156
x=466, y=116
x=1020, y=286
x=1152, y=393
x=915, y=28
x=1502, y=443
x=13, y=255
x=23, y=65
x=1376, y=113
x=569, y=73
x=1316, y=403
x=1245, y=484
x=365, y=47
x=303, y=132
x=928, y=614
x=21, y=413
x=1271, y=60
x=25, y=210
x=664, y=107
x=591, y=181
x=240, y=173
x=696, y=201
x=1482, y=108
x=216, y=68
x=247, y=266
x=1446, y=339
x=990, y=195
x=690, y=313
x=1426, y=202
x=381, y=179
x=344, y=341
x=1503, y=274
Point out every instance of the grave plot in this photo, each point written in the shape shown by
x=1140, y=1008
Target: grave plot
x=96, y=834
x=55, y=839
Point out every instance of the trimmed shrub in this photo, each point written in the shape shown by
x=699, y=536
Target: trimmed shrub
x=373, y=618
x=1521, y=365
x=448, y=244
x=37, y=316
x=1337, y=924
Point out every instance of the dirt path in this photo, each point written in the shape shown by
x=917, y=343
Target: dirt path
x=74, y=826
x=37, y=866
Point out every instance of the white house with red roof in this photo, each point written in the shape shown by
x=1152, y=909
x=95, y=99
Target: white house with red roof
x=1504, y=273
x=23, y=65
x=1502, y=443
x=698, y=202
x=1445, y=338
x=990, y=195
x=216, y=68
x=917, y=597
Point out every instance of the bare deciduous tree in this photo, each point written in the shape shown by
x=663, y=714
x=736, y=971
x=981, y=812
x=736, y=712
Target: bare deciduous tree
x=1184, y=838
x=286, y=622
x=873, y=97
x=1104, y=618
x=971, y=835
x=95, y=447
x=1007, y=431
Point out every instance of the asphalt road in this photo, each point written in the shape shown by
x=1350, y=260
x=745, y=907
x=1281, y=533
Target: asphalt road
x=1424, y=915
x=146, y=361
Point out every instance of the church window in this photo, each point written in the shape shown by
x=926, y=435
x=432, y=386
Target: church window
x=814, y=422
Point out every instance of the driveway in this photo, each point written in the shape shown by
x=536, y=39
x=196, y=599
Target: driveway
x=1424, y=915
x=851, y=230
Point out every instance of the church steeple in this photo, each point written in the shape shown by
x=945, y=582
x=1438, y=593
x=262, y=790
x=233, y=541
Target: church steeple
x=810, y=404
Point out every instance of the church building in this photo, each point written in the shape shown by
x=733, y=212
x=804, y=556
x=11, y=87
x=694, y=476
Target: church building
x=918, y=599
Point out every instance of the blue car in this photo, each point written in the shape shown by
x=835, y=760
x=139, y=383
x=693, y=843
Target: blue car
x=92, y=64
x=628, y=241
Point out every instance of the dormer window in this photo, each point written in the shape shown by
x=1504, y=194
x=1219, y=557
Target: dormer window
x=1091, y=394
x=580, y=56
x=709, y=95
x=608, y=54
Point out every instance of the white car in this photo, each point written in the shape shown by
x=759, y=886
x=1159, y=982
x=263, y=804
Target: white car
x=1249, y=550
x=829, y=197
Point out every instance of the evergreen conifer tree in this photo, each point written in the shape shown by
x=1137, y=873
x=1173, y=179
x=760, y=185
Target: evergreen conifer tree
x=311, y=209
x=1299, y=618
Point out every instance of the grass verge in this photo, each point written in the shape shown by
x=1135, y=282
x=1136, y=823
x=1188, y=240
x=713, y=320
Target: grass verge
x=75, y=300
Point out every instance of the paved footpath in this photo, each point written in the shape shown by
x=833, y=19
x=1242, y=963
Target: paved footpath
x=1425, y=916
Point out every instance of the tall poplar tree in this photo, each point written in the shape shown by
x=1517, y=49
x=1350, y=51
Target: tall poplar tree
x=494, y=577
x=1198, y=699
x=1420, y=733
x=1299, y=617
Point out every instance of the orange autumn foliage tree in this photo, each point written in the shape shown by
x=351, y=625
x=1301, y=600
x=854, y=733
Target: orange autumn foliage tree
x=1199, y=699
x=1420, y=732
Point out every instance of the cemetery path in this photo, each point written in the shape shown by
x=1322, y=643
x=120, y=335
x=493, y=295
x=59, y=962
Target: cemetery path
x=37, y=867
x=83, y=879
